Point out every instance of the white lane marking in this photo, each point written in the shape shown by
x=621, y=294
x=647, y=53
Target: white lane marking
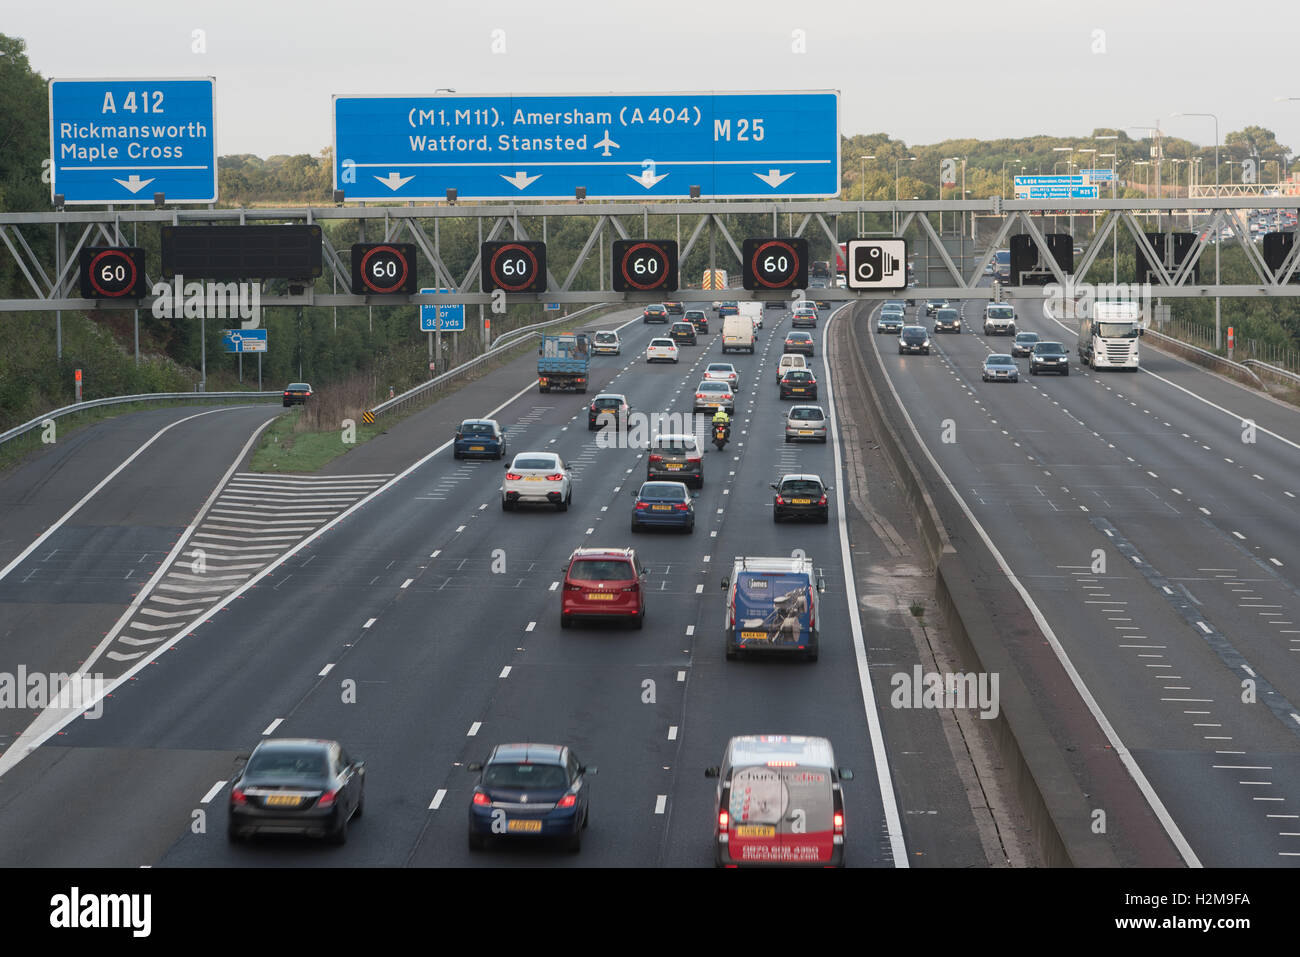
x=699, y=589
x=590, y=530
x=272, y=726
x=554, y=585
x=530, y=626
x=1125, y=756
x=660, y=802
x=505, y=672
x=407, y=583
x=690, y=629
x=113, y=474
x=1240, y=536
x=1203, y=509
x=438, y=795
x=473, y=729
x=459, y=529
x=326, y=670
x=216, y=789
x=1276, y=562
x=884, y=776
x=681, y=676
x=672, y=732
x=436, y=553
x=369, y=622
x=713, y=534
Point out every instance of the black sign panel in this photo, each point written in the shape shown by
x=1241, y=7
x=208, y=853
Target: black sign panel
x=645, y=265
x=112, y=272
x=518, y=266
x=1145, y=266
x=241, y=252
x=1184, y=245
x=384, y=269
x=775, y=263
x=1277, y=246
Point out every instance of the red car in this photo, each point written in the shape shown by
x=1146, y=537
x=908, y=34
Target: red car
x=603, y=583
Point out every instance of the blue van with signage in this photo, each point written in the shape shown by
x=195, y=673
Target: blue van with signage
x=772, y=606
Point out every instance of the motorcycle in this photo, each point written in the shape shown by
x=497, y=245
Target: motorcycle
x=721, y=433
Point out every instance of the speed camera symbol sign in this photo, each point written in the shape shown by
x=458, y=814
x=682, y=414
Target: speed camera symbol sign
x=877, y=264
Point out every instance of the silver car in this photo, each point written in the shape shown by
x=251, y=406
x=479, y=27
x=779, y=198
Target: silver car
x=713, y=394
x=724, y=372
x=1000, y=366
x=805, y=422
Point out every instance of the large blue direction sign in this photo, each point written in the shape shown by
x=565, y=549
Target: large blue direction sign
x=121, y=141
x=243, y=340
x=1057, y=192
x=613, y=145
x=441, y=318
x=1047, y=180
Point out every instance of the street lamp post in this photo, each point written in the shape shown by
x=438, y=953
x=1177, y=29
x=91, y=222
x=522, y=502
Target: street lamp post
x=862, y=190
x=897, y=161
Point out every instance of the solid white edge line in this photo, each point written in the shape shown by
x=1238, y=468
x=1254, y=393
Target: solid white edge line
x=1148, y=792
x=104, y=481
x=884, y=778
x=29, y=741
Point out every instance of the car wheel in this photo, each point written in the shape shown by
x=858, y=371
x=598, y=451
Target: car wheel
x=1066, y=371
x=811, y=654
x=477, y=841
x=1033, y=371
x=699, y=482
x=586, y=816
x=507, y=506
x=286, y=405
x=823, y=440
x=776, y=516
x=731, y=653
x=639, y=622
x=455, y=454
x=232, y=833
x=788, y=440
x=566, y=621
x=340, y=833
x=826, y=517
x=575, y=842
x=361, y=803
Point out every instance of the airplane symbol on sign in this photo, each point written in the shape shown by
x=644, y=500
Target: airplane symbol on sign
x=606, y=143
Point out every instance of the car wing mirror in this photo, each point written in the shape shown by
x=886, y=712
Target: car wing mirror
x=712, y=772
x=846, y=774
x=586, y=770
x=359, y=767
x=821, y=585
x=725, y=583
x=474, y=766
x=506, y=466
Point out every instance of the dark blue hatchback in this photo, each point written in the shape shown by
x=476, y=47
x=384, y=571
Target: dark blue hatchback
x=663, y=503
x=479, y=439
x=529, y=790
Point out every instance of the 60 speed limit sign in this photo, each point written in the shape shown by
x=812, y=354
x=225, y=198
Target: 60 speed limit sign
x=645, y=265
x=384, y=269
x=518, y=266
x=112, y=272
x=775, y=263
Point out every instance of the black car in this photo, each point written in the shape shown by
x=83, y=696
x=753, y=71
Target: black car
x=934, y=305
x=799, y=342
x=608, y=408
x=674, y=308
x=297, y=786
x=529, y=790
x=1049, y=357
x=296, y=393
x=947, y=320
x=798, y=384
x=699, y=319
x=683, y=333
x=655, y=313
x=914, y=339
x=801, y=496
x=1023, y=344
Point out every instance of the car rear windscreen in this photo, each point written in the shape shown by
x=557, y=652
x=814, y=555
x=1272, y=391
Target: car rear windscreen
x=538, y=463
x=601, y=570
x=538, y=776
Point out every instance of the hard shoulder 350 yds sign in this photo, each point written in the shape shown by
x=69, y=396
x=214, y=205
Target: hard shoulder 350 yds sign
x=612, y=145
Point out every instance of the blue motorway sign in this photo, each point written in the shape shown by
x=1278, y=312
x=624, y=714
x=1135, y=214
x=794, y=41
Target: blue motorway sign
x=1047, y=180
x=1057, y=192
x=243, y=340
x=614, y=145
x=1099, y=175
x=121, y=141
x=443, y=318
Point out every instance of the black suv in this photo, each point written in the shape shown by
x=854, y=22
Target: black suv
x=914, y=339
x=612, y=406
x=683, y=333
x=1049, y=357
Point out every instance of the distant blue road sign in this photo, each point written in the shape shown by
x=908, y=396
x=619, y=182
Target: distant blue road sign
x=121, y=141
x=1057, y=192
x=615, y=145
x=243, y=340
x=551, y=307
x=1027, y=181
x=1099, y=175
x=441, y=318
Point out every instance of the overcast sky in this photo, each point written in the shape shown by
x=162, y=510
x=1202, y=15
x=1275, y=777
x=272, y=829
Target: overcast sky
x=922, y=71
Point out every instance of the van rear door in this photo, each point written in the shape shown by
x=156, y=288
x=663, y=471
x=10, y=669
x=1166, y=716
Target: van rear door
x=781, y=813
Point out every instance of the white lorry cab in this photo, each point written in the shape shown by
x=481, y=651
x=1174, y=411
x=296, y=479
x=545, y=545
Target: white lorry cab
x=1108, y=334
x=755, y=312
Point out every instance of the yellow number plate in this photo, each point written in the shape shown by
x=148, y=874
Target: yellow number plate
x=754, y=830
x=805, y=431
x=530, y=827
x=532, y=478
x=283, y=800
x=800, y=501
x=661, y=508
x=476, y=448
x=673, y=466
x=753, y=636
x=601, y=596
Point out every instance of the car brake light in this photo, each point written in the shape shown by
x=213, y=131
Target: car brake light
x=571, y=587
x=681, y=507
x=327, y=799
x=237, y=795
x=513, y=476
x=568, y=800
x=642, y=506
x=839, y=822
x=632, y=588
x=822, y=500
x=481, y=799
x=780, y=500
x=780, y=764
x=722, y=820
x=557, y=477
x=656, y=458
x=286, y=392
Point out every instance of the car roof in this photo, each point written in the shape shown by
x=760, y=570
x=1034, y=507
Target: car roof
x=673, y=437
x=492, y=422
x=801, y=476
x=551, y=455
x=796, y=408
x=752, y=749
x=720, y=365
x=285, y=744
x=999, y=356
x=798, y=334
x=1023, y=335
x=294, y=385
x=914, y=328
x=714, y=383
x=1049, y=342
x=681, y=485
x=528, y=754
x=599, y=552
x=661, y=340
x=606, y=332
x=611, y=395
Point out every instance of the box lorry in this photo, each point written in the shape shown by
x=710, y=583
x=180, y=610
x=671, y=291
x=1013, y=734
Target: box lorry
x=562, y=363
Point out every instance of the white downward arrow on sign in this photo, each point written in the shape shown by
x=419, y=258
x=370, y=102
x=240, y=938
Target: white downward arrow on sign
x=774, y=177
x=135, y=183
x=394, y=181
x=647, y=178
x=521, y=179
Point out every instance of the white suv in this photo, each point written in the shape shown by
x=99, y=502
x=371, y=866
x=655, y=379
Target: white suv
x=999, y=318
x=537, y=477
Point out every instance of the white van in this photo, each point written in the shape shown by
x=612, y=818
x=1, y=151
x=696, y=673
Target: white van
x=790, y=360
x=737, y=334
x=755, y=312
